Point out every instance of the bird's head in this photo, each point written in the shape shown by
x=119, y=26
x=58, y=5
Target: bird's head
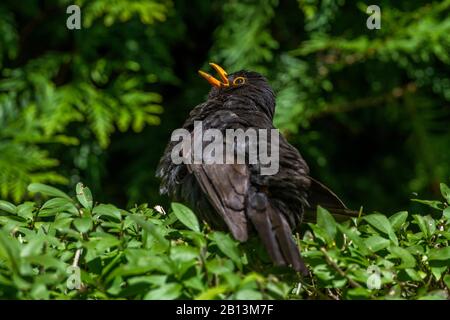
x=242, y=83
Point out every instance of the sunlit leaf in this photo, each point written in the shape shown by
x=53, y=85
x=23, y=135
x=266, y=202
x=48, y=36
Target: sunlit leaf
x=83, y=224
x=84, y=195
x=47, y=190
x=186, y=216
x=326, y=221
x=398, y=219
x=381, y=223
x=169, y=291
x=445, y=190
x=227, y=246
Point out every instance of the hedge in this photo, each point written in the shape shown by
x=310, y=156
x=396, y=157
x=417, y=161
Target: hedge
x=60, y=247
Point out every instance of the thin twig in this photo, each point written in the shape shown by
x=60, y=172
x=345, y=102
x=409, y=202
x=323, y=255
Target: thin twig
x=339, y=270
x=361, y=103
x=332, y=295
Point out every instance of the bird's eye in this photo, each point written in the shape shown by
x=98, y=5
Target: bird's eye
x=238, y=81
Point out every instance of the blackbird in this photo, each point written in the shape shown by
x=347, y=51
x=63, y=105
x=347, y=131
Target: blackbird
x=236, y=196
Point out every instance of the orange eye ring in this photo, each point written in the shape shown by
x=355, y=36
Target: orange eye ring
x=238, y=81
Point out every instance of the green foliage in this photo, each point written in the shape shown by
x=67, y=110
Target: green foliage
x=244, y=42
x=78, y=249
x=137, y=254
x=45, y=98
x=148, y=11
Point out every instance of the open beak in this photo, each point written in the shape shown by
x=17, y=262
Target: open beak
x=213, y=81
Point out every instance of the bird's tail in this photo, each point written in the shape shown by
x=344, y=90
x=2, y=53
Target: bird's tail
x=275, y=232
x=321, y=195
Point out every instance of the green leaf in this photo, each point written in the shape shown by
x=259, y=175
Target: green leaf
x=8, y=207
x=359, y=293
x=446, y=213
x=157, y=280
x=437, y=270
x=47, y=261
x=219, y=266
x=319, y=233
x=433, y=204
x=441, y=254
x=83, y=224
x=84, y=196
x=169, y=291
x=227, y=246
x=9, y=250
x=408, y=260
x=47, y=190
x=426, y=224
x=355, y=238
x=326, y=221
x=248, y=294
x=25, y=210
x=152, y=229
x=101, y=242
x=431, y=224
x=211, y=293
x=445, y=190
x=381, y=223
x=447, y=280
x=184, y=257
x=57, y=205
x=33, y=247
x=107, y=210
x=186, y=216
x=435, y=295
x=62, y=222
x=413, y=274
x=195, y=283
x=39, y=292
x=422, y=224
x=398, y=219
x=199, y=239
x=324, y=273
x=376, y=243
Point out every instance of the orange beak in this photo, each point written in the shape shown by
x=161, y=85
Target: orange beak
x=213, y=81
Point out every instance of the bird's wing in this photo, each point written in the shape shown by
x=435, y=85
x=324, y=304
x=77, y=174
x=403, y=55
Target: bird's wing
x=226, y=186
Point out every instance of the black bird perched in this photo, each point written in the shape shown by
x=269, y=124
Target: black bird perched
x=236, y=196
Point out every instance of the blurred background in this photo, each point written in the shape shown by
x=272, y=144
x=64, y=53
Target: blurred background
x=369, y=110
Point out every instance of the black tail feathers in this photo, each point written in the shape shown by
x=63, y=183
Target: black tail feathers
x=275, y=233
x=274, y=230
